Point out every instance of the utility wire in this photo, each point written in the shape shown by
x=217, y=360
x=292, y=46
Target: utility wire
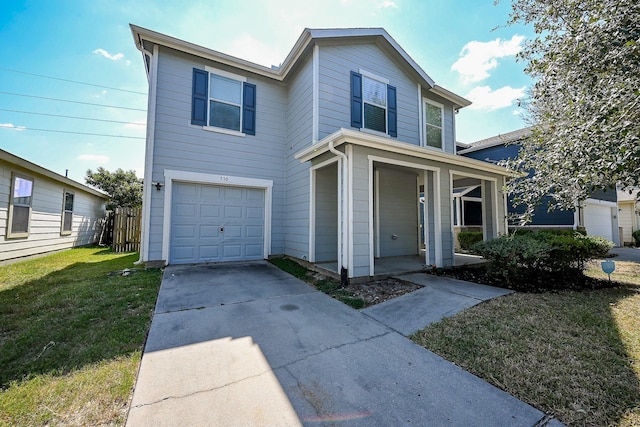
x=66, y=131
x=73, y=117
x=73, y=102
x=71, y=81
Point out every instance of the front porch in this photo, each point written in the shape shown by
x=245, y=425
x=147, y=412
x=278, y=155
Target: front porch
x=381, y=207
x=394, y=265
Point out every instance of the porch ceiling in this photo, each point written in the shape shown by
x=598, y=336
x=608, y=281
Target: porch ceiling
x=344, y=136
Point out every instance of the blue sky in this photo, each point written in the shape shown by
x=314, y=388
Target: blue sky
x=73, y=87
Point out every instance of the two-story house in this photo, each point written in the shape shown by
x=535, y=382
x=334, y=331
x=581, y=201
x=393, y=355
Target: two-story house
x=331, y=157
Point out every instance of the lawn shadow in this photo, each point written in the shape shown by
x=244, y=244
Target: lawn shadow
x=74, y=316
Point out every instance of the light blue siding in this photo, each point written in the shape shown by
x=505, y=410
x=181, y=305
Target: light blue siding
x=326, y=204
x=336, y=62
x=178, y=145
x=299, y=124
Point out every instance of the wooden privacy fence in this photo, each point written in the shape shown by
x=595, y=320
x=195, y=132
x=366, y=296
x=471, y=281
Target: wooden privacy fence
x=126, y=229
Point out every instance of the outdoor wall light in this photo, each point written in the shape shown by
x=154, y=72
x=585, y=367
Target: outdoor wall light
x=158, y=185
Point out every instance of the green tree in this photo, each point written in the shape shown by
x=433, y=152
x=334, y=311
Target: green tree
x=584, y=105
x=123, y=187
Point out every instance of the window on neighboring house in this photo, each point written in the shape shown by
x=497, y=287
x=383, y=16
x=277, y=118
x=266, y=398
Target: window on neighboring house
x=373, y=104
x=20, y=206
x=67, y=213
x=222, y=101
x=434, y=124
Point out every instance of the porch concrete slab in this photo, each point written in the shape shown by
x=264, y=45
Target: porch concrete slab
x=223, y=283
x=439, y=298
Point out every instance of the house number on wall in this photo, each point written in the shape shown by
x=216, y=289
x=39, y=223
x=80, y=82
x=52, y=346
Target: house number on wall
x=224, y=178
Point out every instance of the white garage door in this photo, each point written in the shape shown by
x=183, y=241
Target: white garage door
x=212, y=223
x=598, y=221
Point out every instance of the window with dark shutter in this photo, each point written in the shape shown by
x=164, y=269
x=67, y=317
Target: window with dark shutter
x=373, y=104
x=223, y=102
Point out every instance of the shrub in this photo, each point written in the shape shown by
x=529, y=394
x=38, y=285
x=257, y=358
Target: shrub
x=636, y=237
x=469, y=238
x=541, y=257
x=599, y=246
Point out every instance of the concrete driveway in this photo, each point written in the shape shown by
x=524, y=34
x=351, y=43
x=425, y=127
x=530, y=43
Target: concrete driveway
x=246, y=344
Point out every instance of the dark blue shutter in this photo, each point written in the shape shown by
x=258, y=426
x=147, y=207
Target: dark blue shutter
x=199, y=97
x=356, y=100
x=249, y=108
x=392, y=111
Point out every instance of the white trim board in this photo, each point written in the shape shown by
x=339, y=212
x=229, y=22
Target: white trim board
x=171, y=176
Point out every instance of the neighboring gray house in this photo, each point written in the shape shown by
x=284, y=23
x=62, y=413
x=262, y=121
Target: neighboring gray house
x=323, y=158
x=41, y=211
x=598, y=215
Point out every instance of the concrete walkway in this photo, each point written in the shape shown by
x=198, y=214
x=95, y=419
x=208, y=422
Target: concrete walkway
x=247, y=344
x=440, y=297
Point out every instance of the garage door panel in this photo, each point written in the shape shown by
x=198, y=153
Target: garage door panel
x=255, y=195
x=183, y=254
x=209, y=252
x=254, y=231
x=231, y=193
x=210, y=192
x=209, y=211
x=256, y=212
x=209, y=232
x=199, y=211
x=185, y=231
x=253, y=251
x=185, y=210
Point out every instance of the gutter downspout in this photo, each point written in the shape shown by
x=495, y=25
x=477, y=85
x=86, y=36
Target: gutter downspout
x=344, y=220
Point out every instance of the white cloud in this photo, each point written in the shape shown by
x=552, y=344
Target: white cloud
x=99, y=158
x=485, y=98
x=477, y=58
x=386, y=4
x=12, y=126
x=114, y=57
x=250, y=48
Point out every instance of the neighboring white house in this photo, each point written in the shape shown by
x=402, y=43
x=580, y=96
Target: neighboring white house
x=628, y=214
x=326, y=157
x=41, y=211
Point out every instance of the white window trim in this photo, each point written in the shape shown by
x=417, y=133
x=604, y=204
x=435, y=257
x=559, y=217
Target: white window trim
x=369, y=75
x=425, y=124
x=64, y=232
x=231, y=76
x=10, y=233
x=171, y=176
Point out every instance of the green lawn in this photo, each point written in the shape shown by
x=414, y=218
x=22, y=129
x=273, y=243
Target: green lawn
x=572, y=354
x=71, y=337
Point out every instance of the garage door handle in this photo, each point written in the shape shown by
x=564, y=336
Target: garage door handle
x=222, y=229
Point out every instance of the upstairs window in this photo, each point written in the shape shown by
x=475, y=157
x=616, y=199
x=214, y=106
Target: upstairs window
x=434, y=124
x=373, y=104
x=222, y=101
x=67, y=213
x=20, y=206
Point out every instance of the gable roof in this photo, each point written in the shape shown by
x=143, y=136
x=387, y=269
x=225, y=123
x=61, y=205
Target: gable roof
x=143, y=36
x=501, y=139
x=67, y=182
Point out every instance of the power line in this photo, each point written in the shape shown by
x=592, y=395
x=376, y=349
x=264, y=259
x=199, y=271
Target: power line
x=73, y=102
x=73, y=117
x=72, y=81
x=20, y=128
